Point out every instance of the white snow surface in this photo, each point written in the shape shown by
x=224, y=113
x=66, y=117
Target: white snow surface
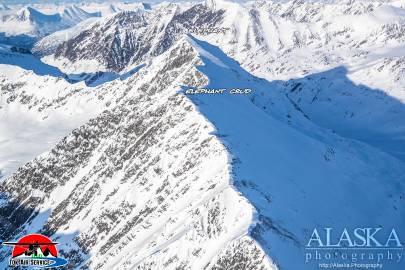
x=320, y=141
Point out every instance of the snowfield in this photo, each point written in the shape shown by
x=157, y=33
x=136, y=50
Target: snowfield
x=103, y=150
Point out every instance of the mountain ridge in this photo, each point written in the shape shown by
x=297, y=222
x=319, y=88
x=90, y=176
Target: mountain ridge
x=210, y=204
x=153, y=177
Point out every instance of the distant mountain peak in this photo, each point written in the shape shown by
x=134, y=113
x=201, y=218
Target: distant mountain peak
x=33, y=15
x=75, y=14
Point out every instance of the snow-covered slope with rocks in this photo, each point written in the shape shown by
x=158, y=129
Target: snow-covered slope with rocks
x=149, y=163
x=130, y=37
x=48, y=44
x=297, y=174
x=276, y=41
x=29, y=22
x=128, y=171
x=260, y=32
x=38, y=108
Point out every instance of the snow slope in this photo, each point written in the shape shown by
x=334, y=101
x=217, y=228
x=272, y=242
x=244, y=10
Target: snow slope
x=163, y=202
x=297, y=175
x=131, y=172
x=48, y=44
x=74, y=14
x=278, y=40
x=37, y=108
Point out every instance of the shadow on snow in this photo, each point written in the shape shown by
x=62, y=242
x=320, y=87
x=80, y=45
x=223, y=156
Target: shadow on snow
x=29, y=62
x=298, y=170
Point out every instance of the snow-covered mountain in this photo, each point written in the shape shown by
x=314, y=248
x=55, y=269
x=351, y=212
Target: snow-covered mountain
x=74, y=14
x=104, y=149
x=48, y=44
x=130, y=37
x=261, y=31
x=182, y=200
x=29, y=21
x=108, y=8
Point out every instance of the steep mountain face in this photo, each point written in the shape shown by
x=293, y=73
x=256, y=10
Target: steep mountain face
x=130, y=37
x=270, y=39
x=34, y=16
x=48, y=44
x=38, y=107
x=118, y=44
x=296, y=173
x=154, y=178
x=276, y=40
x=164, y=203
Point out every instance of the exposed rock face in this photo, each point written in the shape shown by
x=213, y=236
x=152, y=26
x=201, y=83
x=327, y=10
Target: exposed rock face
x=267, y=38
x=130, y=37
x=143, y=185
x=149, y=178
x=114, y=42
